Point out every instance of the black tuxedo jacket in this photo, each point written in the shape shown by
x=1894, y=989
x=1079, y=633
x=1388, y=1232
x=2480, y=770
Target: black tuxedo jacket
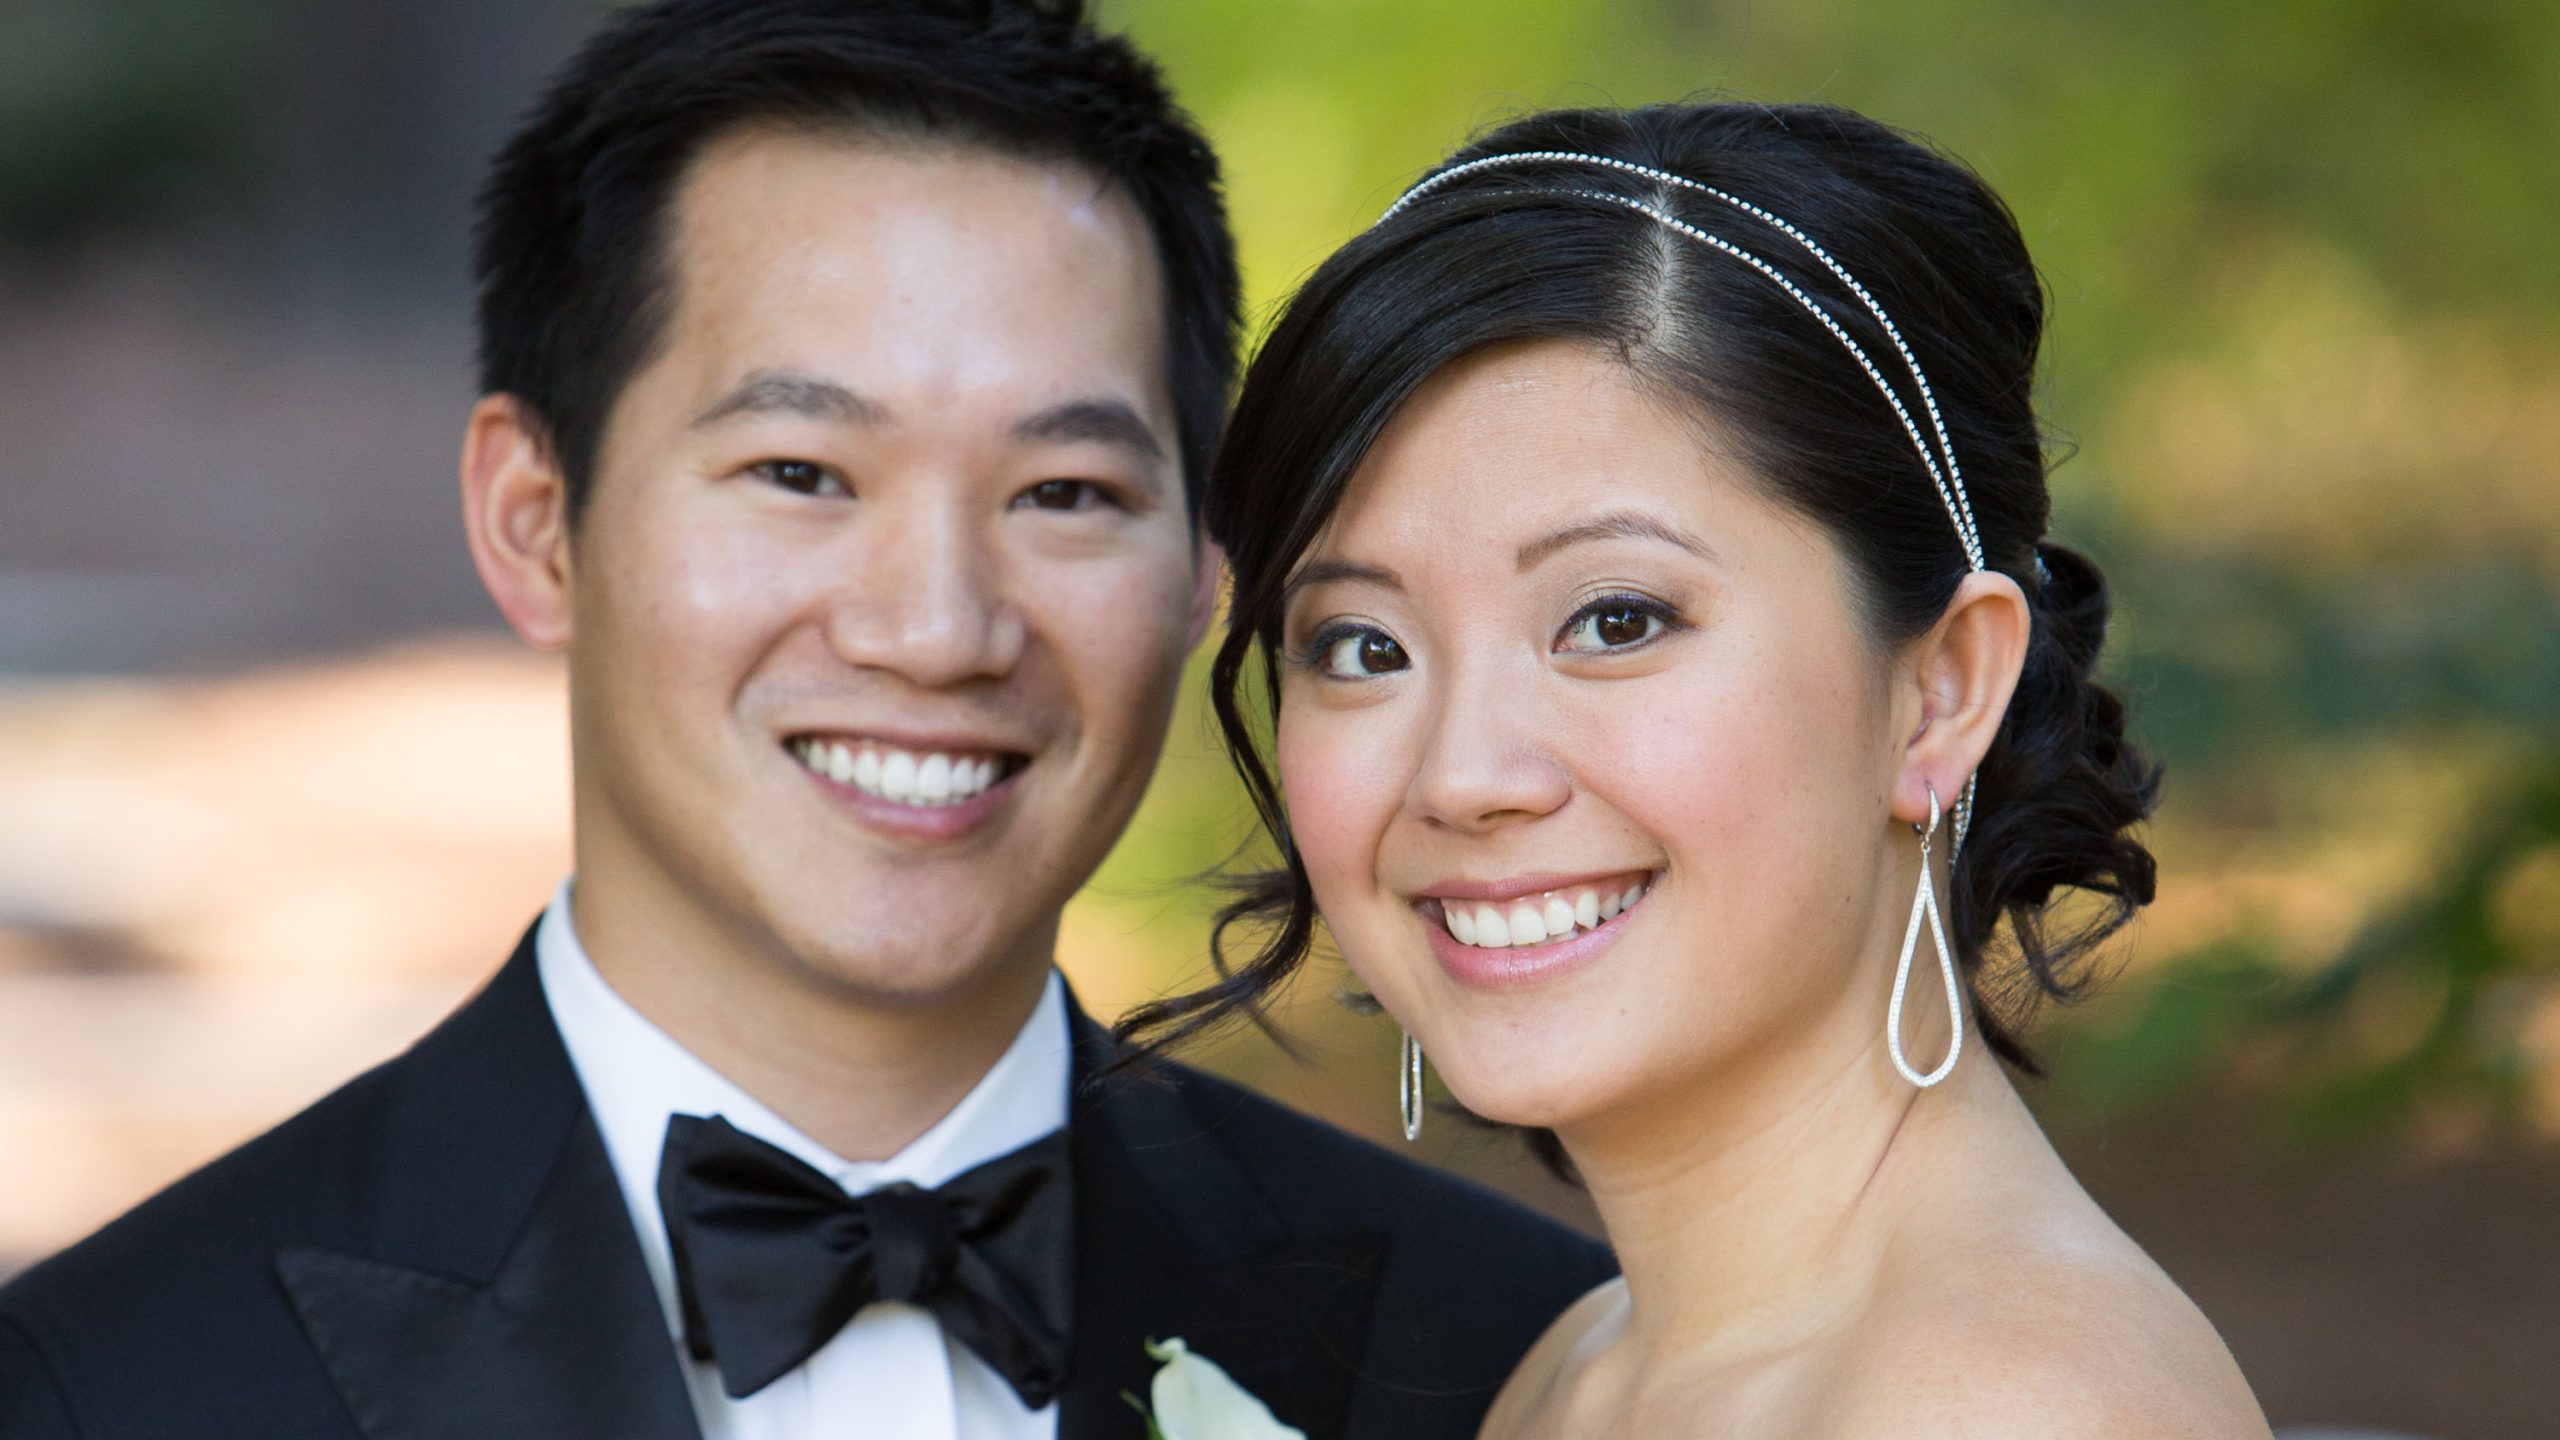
x=440, y=1251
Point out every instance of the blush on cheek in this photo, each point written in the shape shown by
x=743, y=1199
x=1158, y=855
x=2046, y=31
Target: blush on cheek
x=1728, y=799
x=1307, y=778
x=1343, y=792
x=1691, y=769
x=1753, y=788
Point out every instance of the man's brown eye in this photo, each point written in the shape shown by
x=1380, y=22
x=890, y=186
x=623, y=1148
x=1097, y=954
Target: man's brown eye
x=1060, y=494
x=801, y=477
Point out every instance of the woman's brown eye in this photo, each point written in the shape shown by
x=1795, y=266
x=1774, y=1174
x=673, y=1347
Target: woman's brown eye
x=1621, y=626
x=1355, y=654
x=1612, y=625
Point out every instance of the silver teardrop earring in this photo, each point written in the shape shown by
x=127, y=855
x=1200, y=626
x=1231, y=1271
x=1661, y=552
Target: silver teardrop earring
x=1409, y=1086
x=1926, y=903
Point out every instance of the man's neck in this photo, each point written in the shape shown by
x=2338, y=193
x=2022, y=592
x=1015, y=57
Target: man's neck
x=860, y=1074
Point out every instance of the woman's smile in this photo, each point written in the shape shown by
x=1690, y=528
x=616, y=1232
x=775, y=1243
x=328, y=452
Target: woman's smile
x=1533, y=928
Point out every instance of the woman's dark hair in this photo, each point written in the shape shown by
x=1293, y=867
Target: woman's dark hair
x=1502, y=255
x=574, y=276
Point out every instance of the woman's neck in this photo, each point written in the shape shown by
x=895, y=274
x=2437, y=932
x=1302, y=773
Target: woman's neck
x=1758, y=1205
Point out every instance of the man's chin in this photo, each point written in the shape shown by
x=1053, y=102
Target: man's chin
x=914, y=973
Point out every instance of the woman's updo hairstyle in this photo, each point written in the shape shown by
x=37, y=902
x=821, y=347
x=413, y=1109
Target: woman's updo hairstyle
x=1507, y=253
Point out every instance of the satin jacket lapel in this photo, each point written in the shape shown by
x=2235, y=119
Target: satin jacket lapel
x=1174, y=1239
x=505, y=1293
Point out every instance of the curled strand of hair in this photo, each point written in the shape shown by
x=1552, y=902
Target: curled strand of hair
x=1280, y=899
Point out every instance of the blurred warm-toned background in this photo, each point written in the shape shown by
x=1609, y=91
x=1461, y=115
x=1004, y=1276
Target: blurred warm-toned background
x=275, y=792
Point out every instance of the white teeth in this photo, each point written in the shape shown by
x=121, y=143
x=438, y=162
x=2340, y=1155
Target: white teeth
x=1528, y=927
x=934, y=779
x=1535, y=919
x=971, y=777
x=1461, y=921
x=1559, y=917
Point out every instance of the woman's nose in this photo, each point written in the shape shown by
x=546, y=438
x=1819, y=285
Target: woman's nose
x=1487, y=760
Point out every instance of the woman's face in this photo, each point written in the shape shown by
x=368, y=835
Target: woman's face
x=1552, y=652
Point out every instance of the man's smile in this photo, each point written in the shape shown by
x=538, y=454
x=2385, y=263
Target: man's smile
x=923, y=777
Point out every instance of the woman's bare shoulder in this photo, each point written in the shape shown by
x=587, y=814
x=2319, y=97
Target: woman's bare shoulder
x=2053, y=1341
x=1584, y=1326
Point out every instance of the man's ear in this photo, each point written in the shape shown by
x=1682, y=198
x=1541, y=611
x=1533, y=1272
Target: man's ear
x=1209, y=569
x=515, y=513
x=1961, y=675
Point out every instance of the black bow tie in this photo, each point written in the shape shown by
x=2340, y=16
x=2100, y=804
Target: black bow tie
x=772, y=1258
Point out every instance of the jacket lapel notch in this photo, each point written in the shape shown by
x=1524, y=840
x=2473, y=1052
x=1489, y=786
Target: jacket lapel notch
x=506, y=1294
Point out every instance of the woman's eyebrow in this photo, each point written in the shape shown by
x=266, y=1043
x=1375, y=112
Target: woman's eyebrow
x=1326, y=572
x=1616, y=525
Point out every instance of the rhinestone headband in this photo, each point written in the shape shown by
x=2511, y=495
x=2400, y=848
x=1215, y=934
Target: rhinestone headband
x=1940, y=461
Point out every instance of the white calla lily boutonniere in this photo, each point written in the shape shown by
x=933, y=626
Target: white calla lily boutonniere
x=1195, y=1400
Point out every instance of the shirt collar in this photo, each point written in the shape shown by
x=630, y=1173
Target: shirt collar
x=636, y=1076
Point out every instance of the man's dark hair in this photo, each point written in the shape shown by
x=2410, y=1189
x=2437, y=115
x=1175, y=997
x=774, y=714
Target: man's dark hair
x=575, y=278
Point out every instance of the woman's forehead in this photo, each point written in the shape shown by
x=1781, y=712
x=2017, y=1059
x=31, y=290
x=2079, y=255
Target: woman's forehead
x=1501, y=451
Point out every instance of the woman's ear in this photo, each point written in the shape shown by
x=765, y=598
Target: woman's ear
x=1960, y=675
x=515, y=513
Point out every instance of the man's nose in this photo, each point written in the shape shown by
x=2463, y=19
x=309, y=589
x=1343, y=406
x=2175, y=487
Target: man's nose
x=924, y=594
x=1488, y=759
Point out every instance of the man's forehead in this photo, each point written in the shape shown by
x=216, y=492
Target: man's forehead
x=854, y=167
x=879, y=264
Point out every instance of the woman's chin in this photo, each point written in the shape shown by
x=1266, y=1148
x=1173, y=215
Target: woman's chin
x=1529, y=1096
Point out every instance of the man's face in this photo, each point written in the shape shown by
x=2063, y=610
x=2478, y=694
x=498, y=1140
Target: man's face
x=885, y=579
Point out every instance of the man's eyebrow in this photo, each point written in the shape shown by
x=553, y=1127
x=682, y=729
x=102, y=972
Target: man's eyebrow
x=1327, y=572
x=1616, y=525
x=1105, y=422
x=789, y=392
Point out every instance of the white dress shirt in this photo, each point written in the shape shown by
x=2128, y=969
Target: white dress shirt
x=891, y=1371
